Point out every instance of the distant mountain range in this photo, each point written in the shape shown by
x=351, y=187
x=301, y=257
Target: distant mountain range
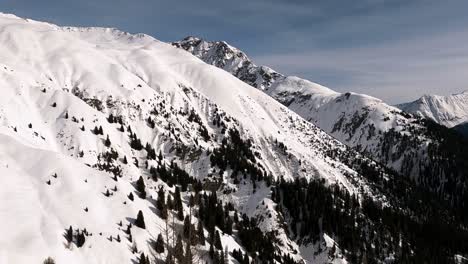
x=449, y=110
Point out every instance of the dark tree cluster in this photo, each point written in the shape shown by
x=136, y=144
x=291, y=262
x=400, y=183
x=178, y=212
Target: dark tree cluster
x=173, y=175
x=98, y=130
x=194, y=117
x=237, y=154
x=135, y=142
x=368, y=231
x=78, y=237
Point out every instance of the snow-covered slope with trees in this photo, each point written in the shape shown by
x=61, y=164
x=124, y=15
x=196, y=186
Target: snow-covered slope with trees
x=118, y=148
x=86, y=112
x=449, y=110
x=417, y=149
x=357, y=120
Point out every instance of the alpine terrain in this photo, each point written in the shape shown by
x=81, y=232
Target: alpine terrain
x=119, y=148
x=449, y=111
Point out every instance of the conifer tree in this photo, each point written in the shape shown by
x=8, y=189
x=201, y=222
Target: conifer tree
x=140, y=220
x=161, y=202
x=228, y=226
x=142, y=259
x=48, y=260
x=188, y=253
x=70, y=234
x=80, y=239
x=159, y=246
x=201, y=233
x=141, y=187
x=217, y=241
x=107, y=142
x=187, y=226
x=179, y=249
x=178, y=204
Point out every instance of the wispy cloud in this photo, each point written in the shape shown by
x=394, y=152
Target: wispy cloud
x=393, y=49
x=394, y=55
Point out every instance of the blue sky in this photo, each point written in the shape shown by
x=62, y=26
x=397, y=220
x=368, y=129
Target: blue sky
x=396, y=50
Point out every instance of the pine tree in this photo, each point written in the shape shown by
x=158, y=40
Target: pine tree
x=228, y=226
x=159, y=246
x=188, y=254
x=70, y=234
x=80, y=239
x=141, y=188
x=48, y=260
x=107, y=142
x=217, y=241
x=142, y=259
x=161, y=202
x=178, y=205
x=111, y=118
x=164, y=213
x=211, y=251
x=140, y=220
x=179, y=249
x=222, y=258
x=201, y=233
x=130, y=196
x=187, y=226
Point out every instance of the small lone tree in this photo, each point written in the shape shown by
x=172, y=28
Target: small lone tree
x=70, y=234
x=140, y=220
x=141, y=187
x=107, y=142
x=142, y=259
x=49, y=260
x=159, y=246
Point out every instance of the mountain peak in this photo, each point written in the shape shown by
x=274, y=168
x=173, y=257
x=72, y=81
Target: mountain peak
x=448, y=110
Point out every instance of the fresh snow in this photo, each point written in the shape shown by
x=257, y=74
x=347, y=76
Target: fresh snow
x=449, y=110
x=49, y=73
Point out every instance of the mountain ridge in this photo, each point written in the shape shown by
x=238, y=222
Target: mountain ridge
x=449, y=111
x=122, y=146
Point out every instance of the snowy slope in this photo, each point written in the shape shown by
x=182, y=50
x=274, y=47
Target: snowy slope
x=449, y=110
x=60, y=83
x=357, y=120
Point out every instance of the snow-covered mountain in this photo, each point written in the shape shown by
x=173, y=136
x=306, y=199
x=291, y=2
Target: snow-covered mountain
x=449, y=110
x=86, y=112
x=357, y=120
x=415, y=148
x=147, y=152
